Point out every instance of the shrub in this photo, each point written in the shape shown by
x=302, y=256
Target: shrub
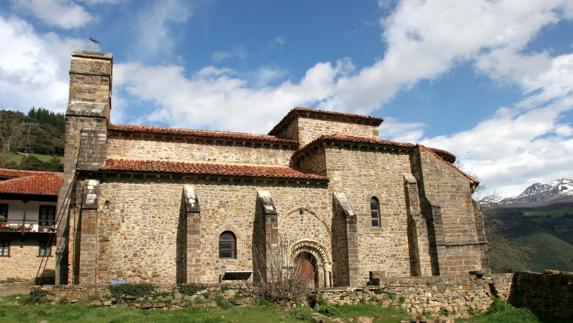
x=499, y=305
x=302, y=313
x=190, y=289
x=37, y=296
x=222, y=302
x=287, y=283
x=135, y=290
x=329, y=310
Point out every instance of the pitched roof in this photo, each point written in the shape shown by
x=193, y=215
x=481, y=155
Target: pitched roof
x=445, y=155
x=442, y=155
x=30, y=182
x=155, y=166
x=200, y=134
x=329, y=115
x=474, y=180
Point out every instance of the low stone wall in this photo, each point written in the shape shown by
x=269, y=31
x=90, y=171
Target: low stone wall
x=457, y=296
x=548, y=294
x=162, y=297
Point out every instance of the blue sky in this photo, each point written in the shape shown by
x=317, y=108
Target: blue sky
x=490, y=81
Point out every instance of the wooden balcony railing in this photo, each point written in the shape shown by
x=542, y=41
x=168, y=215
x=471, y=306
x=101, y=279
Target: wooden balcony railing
x=25, y=226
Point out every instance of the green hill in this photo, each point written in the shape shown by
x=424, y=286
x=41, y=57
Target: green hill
x=533, y=239
x=34, y=141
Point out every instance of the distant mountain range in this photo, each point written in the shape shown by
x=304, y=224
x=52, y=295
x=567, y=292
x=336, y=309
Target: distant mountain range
x=538, y=194
x=532, y=231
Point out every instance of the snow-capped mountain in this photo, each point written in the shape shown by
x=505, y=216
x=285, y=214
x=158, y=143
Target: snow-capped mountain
x=556, y=191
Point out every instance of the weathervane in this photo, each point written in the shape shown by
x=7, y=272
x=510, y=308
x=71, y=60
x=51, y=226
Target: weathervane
x=95, y=42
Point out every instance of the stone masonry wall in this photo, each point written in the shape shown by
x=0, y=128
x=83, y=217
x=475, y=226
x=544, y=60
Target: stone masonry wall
x=23, y=263
x=196, y=152
x=141, y=224
x=459, y=247
x=310, y=129
x=457, y=296
x=361, y=175
x=548, y=294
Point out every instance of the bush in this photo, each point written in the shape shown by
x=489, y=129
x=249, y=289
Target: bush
x=302, y=313
x=222, y=302
x=37, y=297
x=499, y=305
x=135, y=290
x=190, y=289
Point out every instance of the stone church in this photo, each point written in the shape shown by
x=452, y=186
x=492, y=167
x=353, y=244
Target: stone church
x=321, y=191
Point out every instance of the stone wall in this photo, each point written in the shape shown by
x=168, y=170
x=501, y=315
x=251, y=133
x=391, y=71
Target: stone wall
x=23, y=263
x=457, y=296
x=447, y=203
x=548, y=294
x=361, y=175
x=310, y=129
x=142, y=149
x=142, y=227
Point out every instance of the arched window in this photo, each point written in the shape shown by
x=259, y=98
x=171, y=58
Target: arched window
x=227, y=245
x=375, y=212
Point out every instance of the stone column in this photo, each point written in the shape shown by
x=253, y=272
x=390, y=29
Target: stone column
x=88, y=234
x=88, y=108
x=417, y=231
x=193, y=211
x=272, y=253
x=351, y=224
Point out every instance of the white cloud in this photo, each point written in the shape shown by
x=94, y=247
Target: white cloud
x=153, y=26
x=218, y=98
x=391, y=128
x=278, y=41
x=523, y=144
x=59, y=13
x=426, y=38
x=33, y=67
x=239, y=52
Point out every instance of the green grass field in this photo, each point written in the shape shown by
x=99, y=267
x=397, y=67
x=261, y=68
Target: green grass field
x=17, y=157
x=15, y=309
x=551, y=212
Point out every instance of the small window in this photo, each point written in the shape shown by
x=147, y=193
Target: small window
x=4, y=248
x=47, y=215
x=45, y=249
x=227, y=245
x=375, y=212
x=3, y=213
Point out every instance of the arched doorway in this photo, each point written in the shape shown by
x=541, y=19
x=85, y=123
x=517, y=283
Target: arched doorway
x=306, y=268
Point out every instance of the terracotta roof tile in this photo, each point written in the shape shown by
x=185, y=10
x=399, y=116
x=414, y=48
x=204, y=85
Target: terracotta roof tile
x=342, y=116
x=443, y=155
x=30, y=182
x=209, y=169
x=205, y=134
x=471, y=178
x=375, y=141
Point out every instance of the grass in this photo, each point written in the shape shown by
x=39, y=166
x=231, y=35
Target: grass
x=551, y=212
x=502, y=312
x=17, y=157
x=15, y=309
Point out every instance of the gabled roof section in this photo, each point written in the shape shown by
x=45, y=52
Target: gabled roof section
x=352, y=140
x=442, y=154
x=472, y=179
x=231, y=170
x=30, y=182
x=199, y=134
x=325, y=115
